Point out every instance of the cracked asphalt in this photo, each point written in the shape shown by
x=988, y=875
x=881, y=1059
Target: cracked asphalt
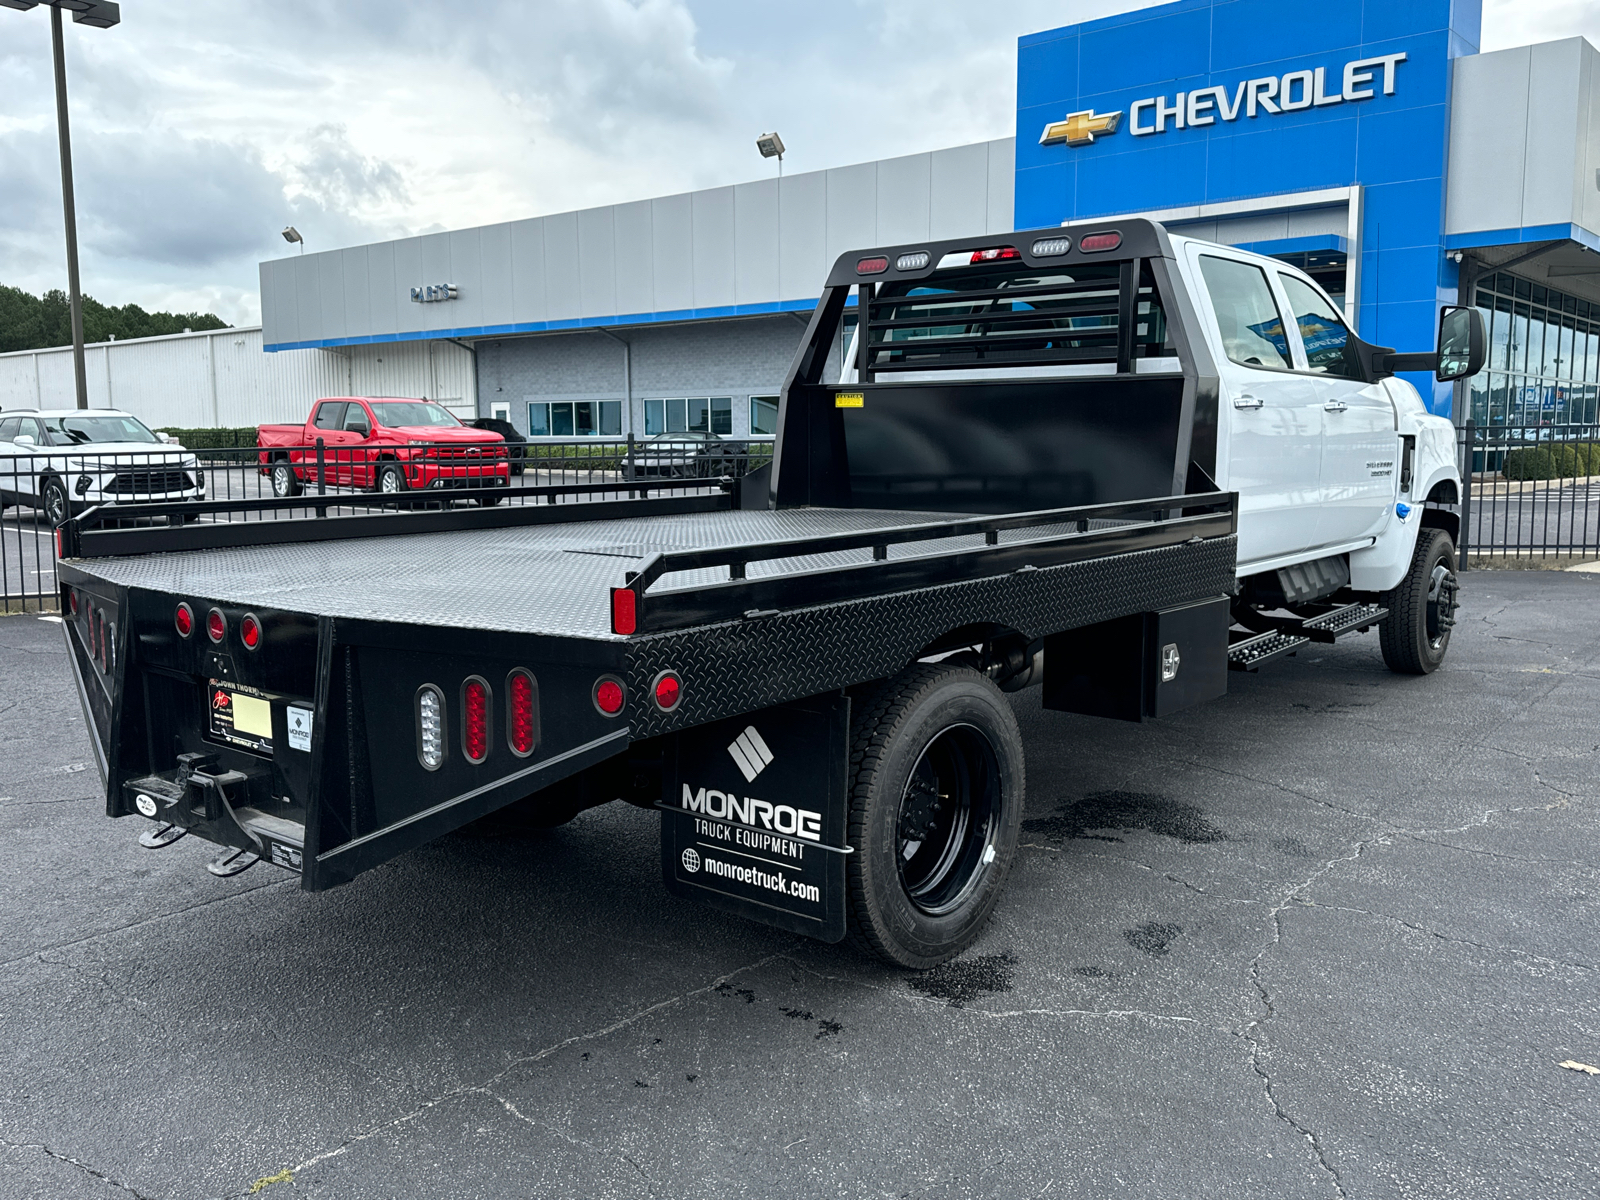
x=1329, y=937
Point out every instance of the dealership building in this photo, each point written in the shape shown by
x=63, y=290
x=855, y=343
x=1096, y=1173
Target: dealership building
x=1367, y=141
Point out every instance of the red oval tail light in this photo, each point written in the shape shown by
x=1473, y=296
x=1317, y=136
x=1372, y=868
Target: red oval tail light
x=475, y=720
x=522, y=713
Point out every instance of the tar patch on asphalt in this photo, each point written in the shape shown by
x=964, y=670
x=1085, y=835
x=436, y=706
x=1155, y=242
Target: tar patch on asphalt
x=1126, y=812
x=1152, y=938
x=966, y=979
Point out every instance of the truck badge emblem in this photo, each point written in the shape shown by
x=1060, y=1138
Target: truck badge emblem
x=750, y=753
x=1079, y=128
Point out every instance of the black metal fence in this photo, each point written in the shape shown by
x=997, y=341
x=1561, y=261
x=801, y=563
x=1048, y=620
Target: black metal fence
x=1529, y=492
x=41, y=486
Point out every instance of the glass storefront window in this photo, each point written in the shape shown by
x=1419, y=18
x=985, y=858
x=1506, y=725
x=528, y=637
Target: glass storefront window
x=575, y=418
x=692, y=414
x=763, y=416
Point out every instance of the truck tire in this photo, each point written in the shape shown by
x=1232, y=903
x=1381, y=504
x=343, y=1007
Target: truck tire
x=936, y=799
x=57, y=507
x=285, y=483
x=391, y=480
x=1422, y=608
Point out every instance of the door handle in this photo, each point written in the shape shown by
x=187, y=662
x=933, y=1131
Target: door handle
x=1335, y=406
x=1247, y=402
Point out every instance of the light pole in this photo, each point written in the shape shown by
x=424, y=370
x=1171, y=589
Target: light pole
x=292, y=236
x=771, y=146
x=100, y=14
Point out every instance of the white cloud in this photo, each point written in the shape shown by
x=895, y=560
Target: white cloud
x=202, y=127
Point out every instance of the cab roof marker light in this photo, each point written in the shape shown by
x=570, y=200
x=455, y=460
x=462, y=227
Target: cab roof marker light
x=911, y=262
x=1100, y=241
x=1050, y=247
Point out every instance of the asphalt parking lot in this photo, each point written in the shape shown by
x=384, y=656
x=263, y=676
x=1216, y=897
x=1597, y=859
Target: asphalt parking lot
x=1331, y=936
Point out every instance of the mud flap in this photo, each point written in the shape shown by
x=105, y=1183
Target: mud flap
x=753, y=816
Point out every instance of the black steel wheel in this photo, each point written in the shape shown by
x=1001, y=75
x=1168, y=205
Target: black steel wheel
x=1422, y=608
x=935, y=808
x=57, y=508
x=285, y=483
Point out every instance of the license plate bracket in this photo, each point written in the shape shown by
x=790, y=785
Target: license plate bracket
x=754, y=814
x=240, y=716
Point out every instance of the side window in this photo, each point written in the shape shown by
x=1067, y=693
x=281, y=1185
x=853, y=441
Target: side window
x=1322, y=330
x=1252, y=331
x=34, y=430
x=9, y=427
x=355, y=419
x=330, y=415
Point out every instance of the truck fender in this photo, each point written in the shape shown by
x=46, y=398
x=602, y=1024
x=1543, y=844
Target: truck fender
x=1383, y=564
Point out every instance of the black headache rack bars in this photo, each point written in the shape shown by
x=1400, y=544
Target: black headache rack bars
x=118, y=530
x=1143, y=525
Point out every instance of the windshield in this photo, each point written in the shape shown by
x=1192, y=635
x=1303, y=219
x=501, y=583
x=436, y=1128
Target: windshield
x=403, y=413
x=79, y=431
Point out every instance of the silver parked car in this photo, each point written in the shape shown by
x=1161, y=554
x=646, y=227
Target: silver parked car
x=66, y=460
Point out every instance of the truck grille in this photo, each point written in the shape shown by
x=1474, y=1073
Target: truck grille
x=150, y=481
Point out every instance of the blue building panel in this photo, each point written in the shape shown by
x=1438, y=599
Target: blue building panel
x=1244, y=100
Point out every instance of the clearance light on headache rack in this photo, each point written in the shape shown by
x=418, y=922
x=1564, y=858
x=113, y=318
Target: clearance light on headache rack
x=1099, y=241
x=911, y=262
x=872, y=266
x=430, y=726
x=1050, y=247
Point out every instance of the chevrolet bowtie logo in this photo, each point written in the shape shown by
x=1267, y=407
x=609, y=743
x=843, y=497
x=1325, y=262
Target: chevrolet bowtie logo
x=1079, y=128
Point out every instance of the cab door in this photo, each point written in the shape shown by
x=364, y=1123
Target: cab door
x=1270, y=424
x=1360, y=427
x=356, y=469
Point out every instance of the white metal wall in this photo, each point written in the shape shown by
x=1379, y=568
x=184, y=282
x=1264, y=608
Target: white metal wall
x=699, y=254
x=1525, y=139
x=223, y=378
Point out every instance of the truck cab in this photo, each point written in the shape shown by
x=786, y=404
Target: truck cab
x=1329, y=458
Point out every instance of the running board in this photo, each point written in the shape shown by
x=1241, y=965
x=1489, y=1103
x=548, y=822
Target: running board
x=1248, y=654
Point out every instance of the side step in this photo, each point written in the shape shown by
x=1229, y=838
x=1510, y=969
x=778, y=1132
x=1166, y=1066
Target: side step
x=1249, y=653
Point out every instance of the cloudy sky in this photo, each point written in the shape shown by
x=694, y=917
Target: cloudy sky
x=202, y=127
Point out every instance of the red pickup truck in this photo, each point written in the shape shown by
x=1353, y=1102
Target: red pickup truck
x=385, y=444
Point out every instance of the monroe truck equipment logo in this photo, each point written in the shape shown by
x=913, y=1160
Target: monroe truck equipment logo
x=758, y=814
x=1250, y=97
x=751, y=753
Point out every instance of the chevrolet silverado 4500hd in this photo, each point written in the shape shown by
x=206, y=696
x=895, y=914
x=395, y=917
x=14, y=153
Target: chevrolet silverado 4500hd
x=1100, y=459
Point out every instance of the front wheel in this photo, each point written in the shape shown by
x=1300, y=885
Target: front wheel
x=391, y=480
x=57, y=508
x=936, y=803
x=1422, y=608
x=285, y=483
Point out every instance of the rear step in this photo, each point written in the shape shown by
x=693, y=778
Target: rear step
x=1249, y=653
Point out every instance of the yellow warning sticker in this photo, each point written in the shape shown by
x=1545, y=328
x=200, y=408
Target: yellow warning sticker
x=849, y=400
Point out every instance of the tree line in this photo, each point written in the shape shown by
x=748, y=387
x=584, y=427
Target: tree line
x=29, y=322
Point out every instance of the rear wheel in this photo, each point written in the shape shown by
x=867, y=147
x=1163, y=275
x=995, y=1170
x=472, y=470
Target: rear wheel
x=285, y=483
x=935, y=807
x=1422, y=609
